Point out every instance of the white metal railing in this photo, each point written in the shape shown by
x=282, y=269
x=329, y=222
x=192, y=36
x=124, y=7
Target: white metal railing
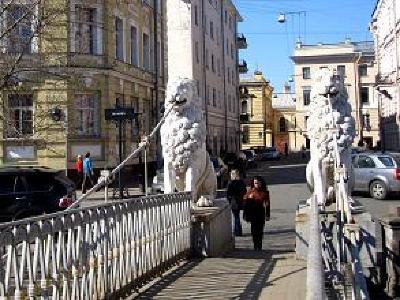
x=347, y=247
x=94, y=253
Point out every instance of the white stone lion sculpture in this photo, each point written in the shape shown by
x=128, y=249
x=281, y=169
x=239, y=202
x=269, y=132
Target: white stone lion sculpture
x=187, y=165
x=330, y=117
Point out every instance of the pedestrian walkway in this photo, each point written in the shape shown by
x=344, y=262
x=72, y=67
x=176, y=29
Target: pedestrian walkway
x=273, y=273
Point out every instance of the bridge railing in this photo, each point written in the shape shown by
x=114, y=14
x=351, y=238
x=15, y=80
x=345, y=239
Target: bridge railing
x=96, y=253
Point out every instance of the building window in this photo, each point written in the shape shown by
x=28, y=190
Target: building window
x=134, y=47
x=219, y=67
x=228, y=71
x=214, y=96
x=119, y=39
x=306, y=73
x=282, y=124
x=226, y=16
x=363, y=70
x=85, y=35
x=305, y=122
x=232, y=52
x=306, y=96
x=207, y=65
x=212, y=63
x=20, y=108
x=196, y=52
x=366, y=122
x=245, y=134
x=212, y=29
x=86, y=114
x=135, y=128
x=364, y=94
x=244, y=107
x=341, y=70
x=229, y=103
x=19, y=24
x=208, y=95
x=146, y=51
x=196, y=16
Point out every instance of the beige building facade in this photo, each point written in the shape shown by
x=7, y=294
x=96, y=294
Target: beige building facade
x=111, y=54
x=256, y=114
x=204, y=44
x=285, y=130
x=354, y=61
x=385, y=26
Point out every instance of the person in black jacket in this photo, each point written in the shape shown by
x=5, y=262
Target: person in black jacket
x=236, y=190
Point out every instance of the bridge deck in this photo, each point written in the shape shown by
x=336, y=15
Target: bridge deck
x=273, y=273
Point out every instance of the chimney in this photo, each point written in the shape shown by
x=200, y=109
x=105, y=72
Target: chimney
x=286, y=88
x=258, y=75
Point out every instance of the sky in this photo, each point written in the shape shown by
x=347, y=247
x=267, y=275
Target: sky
x=270, y=43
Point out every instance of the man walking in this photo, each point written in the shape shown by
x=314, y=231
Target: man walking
x=87, y=172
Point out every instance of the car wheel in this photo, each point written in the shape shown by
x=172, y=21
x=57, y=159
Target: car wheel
x=378, y=190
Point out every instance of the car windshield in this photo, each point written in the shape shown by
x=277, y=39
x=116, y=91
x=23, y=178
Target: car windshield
x=386, y=161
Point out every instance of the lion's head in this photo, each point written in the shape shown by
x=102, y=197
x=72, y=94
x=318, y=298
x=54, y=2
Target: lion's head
x=180, y=94
x=327, y=82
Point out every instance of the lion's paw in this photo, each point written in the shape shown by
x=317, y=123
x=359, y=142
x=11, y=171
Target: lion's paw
x=205, y=202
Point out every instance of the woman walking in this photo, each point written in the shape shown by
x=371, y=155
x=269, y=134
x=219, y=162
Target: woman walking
x=79, y=170
x=257, y=207
x=235, y=193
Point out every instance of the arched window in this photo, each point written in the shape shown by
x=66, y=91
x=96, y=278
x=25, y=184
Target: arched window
x=244, y=107
x=282, y=124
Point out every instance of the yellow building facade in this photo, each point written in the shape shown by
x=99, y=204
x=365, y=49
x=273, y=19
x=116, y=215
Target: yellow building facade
x=101, y=54
x=256, y=114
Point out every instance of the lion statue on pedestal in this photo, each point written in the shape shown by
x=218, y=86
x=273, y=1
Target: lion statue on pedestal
x=331, y=130
x=187, y=165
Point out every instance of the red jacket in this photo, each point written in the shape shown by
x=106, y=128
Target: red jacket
x=79, y=166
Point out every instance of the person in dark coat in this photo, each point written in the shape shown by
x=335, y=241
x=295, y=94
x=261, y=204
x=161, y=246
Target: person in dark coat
x=256, y=209
x=235, y=192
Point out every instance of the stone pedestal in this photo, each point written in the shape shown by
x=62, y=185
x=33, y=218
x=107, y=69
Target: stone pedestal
x=212, y=230
x=390, y=269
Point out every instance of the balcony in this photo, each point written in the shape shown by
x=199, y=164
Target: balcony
x=241, y=42
x=242, y=67
x=385, y=79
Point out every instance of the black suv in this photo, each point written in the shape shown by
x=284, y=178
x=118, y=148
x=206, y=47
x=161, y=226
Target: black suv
x=30, y=191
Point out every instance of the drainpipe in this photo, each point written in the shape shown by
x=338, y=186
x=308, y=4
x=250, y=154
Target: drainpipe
x=357, y=96
x=397, y=67
x=224, y=73
x=203, y=26
x=155, y=54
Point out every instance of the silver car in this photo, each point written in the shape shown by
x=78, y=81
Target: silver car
x=376, y=173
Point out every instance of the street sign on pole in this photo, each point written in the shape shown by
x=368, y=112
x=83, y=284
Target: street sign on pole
x=119, y=114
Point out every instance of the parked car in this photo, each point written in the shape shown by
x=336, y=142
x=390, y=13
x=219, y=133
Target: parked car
x=269, y=153
x=376, y=173
x=30, y=191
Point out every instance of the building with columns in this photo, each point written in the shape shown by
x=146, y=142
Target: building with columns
x=385, y=26
x=203, y=44
x=256, y=114
x=354, y=61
